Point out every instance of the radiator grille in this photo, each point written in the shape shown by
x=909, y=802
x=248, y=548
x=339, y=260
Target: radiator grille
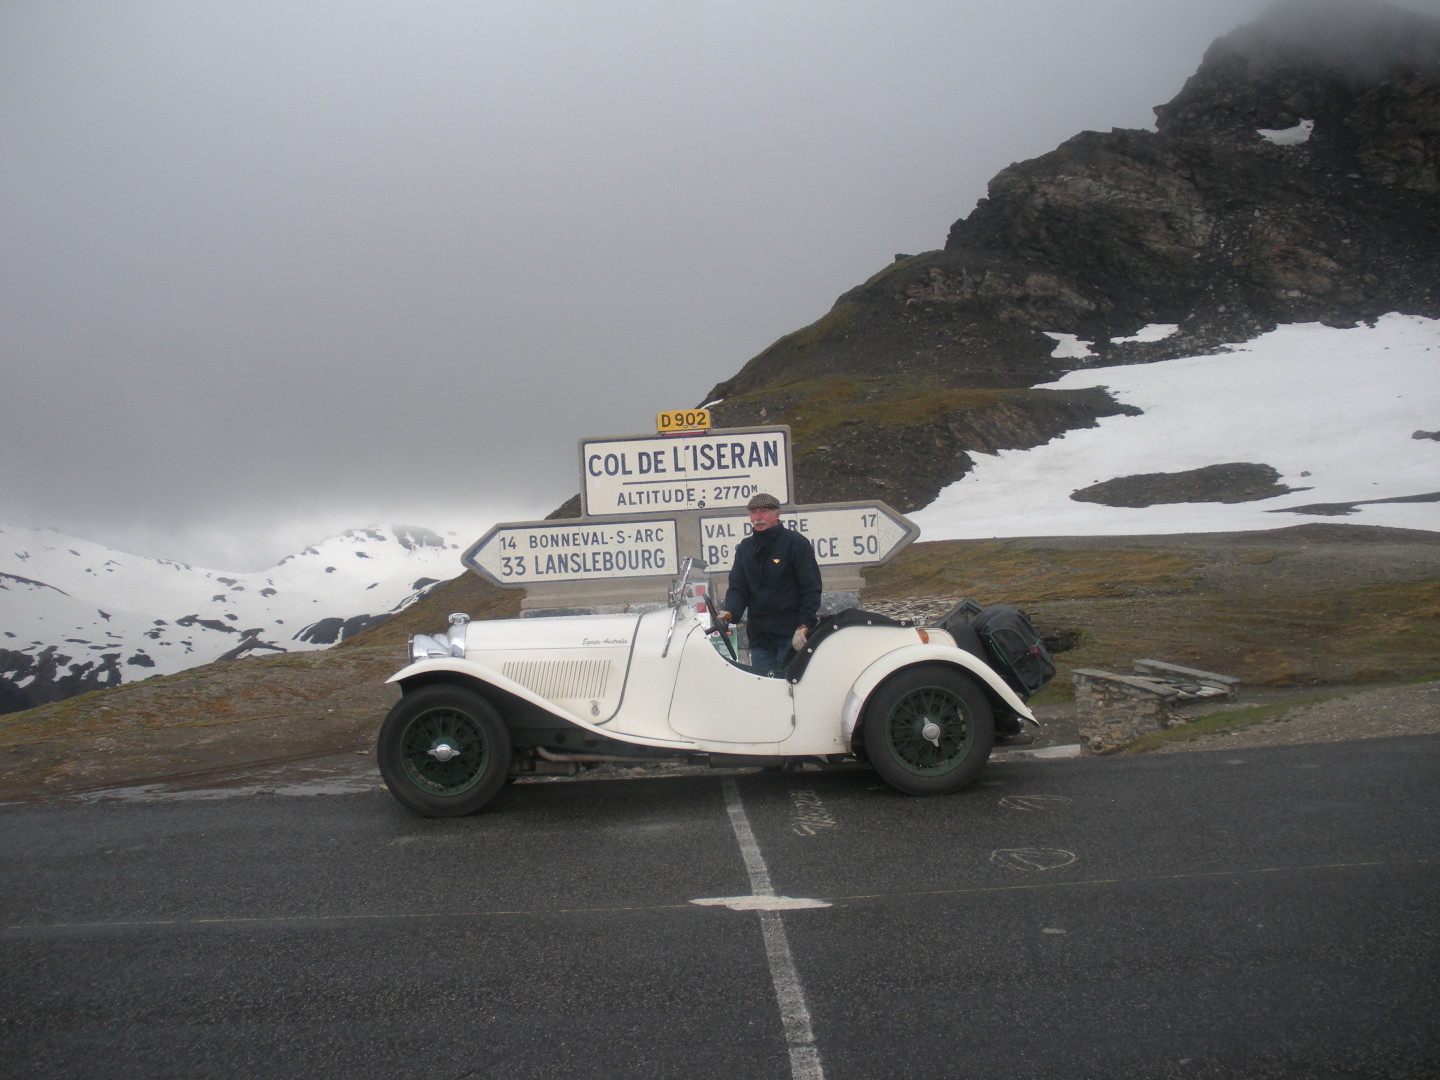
x=560, y=679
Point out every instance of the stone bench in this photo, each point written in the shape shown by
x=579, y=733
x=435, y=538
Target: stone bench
x=1115, y=710
x=1176, y=673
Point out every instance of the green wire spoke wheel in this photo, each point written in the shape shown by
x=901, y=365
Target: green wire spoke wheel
x=928, y=730
x=444, y=751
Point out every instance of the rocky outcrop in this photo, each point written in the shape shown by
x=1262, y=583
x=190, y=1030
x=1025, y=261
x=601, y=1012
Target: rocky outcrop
x=1294, y=178
x=331, y=630
x=1233, y=482
x=50, y=675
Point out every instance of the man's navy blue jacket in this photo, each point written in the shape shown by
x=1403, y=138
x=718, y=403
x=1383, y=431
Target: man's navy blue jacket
x=775, y=578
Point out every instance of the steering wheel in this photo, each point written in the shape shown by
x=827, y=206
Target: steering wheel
x=721, y=627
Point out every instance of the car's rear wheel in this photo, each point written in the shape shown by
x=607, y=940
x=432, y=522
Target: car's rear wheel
x=928, y=730
x=444, y=751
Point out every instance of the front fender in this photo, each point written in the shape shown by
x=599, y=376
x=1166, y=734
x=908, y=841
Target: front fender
x=911, y=655
x=458, y=665
x=468, y=670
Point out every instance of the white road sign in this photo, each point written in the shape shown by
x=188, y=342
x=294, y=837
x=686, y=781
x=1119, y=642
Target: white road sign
x=538, y=552
x=701, y=471
x=843, y=534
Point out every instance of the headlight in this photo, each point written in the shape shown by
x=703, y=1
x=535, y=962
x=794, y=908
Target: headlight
x=455, y=636
x=450, y=643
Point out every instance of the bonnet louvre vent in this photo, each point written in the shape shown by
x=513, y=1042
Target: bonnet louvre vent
x=561, y=678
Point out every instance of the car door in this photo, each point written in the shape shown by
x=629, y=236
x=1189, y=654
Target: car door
x=718, y=701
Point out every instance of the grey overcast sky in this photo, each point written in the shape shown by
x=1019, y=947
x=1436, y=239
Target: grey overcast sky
x=274, y=268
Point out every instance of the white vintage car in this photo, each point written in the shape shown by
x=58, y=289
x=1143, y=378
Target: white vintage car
x=487, y=701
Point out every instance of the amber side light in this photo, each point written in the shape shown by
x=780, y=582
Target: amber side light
x=924, y=637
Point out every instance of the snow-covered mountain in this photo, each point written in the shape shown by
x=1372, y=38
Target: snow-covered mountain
x=76, y=615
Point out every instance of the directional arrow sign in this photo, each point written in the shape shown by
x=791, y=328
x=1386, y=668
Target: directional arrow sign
x=702, y=471
x=537, y=552
x=843, y=534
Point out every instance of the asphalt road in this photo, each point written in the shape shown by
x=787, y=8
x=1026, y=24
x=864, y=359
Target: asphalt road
x=1264, y=913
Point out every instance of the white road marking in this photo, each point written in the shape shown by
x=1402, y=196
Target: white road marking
x=1033, y=802
x=1046, y=753
x=760, y=903
x=789, y=994
x=810, y=814
x=1033, y=858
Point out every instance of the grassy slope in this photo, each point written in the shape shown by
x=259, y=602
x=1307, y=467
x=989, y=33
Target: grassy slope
x=1295, y=607
x=1273, y=609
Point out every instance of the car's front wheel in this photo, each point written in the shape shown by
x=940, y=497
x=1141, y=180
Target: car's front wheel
x=928, y=730
x=444, y=751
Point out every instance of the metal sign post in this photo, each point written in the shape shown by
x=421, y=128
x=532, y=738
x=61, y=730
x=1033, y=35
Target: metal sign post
x=647, y=500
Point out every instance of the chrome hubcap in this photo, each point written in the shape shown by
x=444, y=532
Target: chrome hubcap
x=443, y=752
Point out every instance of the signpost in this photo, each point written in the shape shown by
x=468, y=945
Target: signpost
x=701, y=471
x=649, y=499
x=843, y=534
x=531, y=553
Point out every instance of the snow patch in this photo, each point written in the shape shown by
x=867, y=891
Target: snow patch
x=1069, y=346
x=1153, y=332
x=1333, y=410
x=1291, y=136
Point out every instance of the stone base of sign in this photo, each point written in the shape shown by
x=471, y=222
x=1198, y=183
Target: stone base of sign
x=602, y=609
x=830, y=602
x=624, y=596
x=614, y=597
x=1115, y=710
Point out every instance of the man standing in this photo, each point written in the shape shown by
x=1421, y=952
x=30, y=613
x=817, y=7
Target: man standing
x=775, y=586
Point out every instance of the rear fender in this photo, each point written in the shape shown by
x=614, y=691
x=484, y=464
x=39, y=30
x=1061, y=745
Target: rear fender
x=995, y=687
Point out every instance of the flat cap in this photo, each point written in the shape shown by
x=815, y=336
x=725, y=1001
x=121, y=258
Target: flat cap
x=763, y=501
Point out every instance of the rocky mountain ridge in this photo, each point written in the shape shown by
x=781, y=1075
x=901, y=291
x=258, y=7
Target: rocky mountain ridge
x=1294, y=178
